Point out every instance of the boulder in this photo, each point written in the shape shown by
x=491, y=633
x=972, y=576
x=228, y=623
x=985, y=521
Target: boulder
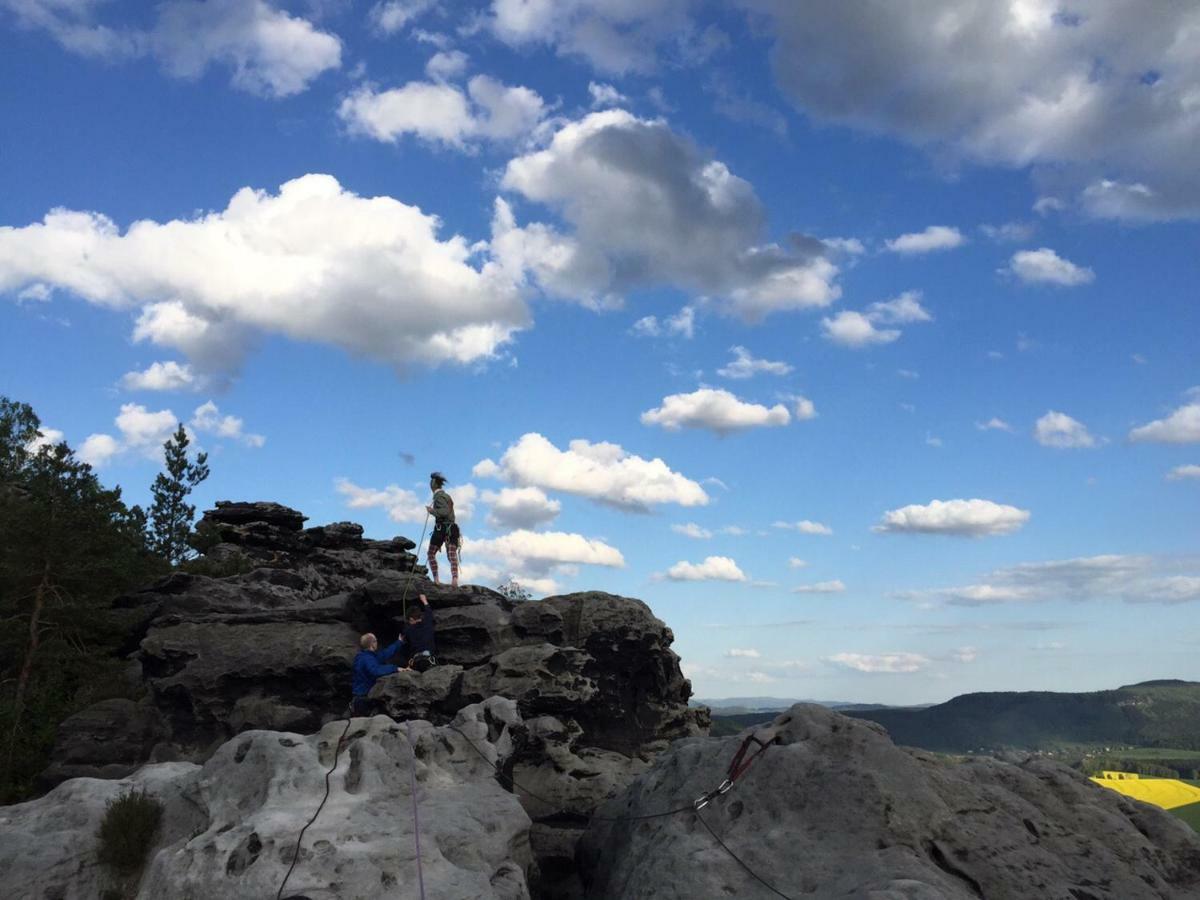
x=834, y=809
x=230, y=828
x=106, y=740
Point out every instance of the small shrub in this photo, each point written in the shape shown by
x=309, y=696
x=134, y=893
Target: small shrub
x=128, y=829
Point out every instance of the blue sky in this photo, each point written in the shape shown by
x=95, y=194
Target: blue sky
x=861, y=347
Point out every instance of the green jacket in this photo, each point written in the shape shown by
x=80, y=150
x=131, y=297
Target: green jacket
x=443, y=509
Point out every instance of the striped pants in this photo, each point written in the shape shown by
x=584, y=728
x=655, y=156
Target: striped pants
x=435, y=544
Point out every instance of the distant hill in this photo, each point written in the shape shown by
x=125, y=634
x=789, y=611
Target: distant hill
x=736, y=706
x=1150, y=714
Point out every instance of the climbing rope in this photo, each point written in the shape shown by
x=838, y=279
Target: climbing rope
x=737, y=767
x=296, y=855
x=412, y=749
x=338, y=749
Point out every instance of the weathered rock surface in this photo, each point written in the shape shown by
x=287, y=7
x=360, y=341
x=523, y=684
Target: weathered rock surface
x=835, y=809
x=230, y=828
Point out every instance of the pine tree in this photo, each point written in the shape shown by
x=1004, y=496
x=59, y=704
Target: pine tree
x=170, y=514
x=68, y=546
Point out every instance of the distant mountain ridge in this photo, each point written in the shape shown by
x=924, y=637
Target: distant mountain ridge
x=730, y=706
x=1162, y=713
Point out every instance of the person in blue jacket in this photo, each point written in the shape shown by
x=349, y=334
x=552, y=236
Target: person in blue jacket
x=369, y=667
x=419, y=648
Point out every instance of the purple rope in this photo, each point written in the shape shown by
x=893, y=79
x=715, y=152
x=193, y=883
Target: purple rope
x=416, y=818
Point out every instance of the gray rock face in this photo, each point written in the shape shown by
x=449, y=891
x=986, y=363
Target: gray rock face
x=835, y=809
x=230, y=828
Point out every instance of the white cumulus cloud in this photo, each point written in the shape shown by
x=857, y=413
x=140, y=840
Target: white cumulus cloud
x=1181, y=473
x=969, y=518
x=855, y=329
x=523, y=507
x=714, y=568
x=1056, y=429
x=401, y=504
x=692, y=530
x=935, y=237
x=543, y=550
x=745, y=365
x=270, y=52
x=715, y=410
x=207, y=419
x=1045, y=266
x=442, y=113
x=314, y=262
x=1181, y=427
x=163, y=376
x=602, y=471
x=1097, y=92
x=646, y=207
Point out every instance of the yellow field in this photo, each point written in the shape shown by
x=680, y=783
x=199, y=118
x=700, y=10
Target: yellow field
x=1168, y=793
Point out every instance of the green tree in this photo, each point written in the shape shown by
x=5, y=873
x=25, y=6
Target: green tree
x=170, y=513
x=68, y=545
x=514, y=590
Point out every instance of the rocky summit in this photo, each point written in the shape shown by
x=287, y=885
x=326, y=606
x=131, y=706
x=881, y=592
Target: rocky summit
x=551, y=755
x=266, y=642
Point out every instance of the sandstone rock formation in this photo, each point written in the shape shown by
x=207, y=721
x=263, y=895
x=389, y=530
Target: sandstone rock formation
x=270, y=647
x=230, y=827
x=835, y=809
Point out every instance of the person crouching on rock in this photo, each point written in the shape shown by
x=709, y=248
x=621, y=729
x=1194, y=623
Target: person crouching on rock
x=418, y=637
x=369, y=667
x=445, y=531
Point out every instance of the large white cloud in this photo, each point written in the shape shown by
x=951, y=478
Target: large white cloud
x=602, y=471
x=714, y=568
x=1045, y=266
x=314, y=262
x=969, y=518
x=1057, y=429
x=714, y=410
x=1101, y=92
x=1181, y=427
x=523, y=507
x=270, y=52
x=645, y=207
x=442, y=113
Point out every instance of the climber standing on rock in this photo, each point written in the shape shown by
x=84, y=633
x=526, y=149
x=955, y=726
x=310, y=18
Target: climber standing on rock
x=445, y=530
